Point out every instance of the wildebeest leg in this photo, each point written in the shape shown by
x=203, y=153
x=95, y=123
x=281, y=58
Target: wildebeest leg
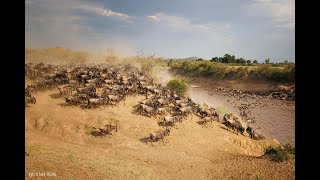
x=110, y=134
x=150, y=139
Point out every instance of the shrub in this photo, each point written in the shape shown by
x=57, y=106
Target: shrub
x=242, y=72
x=280, y=154
x=180, y=86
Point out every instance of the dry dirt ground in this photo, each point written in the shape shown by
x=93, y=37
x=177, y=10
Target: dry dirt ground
x=60, y=140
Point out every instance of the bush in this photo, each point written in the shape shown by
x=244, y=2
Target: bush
x=280, y=154
x=242, y=72
x=180, y=86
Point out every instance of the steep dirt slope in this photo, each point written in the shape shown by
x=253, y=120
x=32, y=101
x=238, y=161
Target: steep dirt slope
x=60, y=139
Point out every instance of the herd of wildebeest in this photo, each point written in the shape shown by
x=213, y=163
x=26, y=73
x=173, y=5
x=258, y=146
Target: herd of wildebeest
x=103, y=85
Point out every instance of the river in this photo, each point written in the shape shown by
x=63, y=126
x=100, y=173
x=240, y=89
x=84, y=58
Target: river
x=273, y=118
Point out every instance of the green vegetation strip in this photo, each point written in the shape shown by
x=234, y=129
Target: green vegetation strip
x=221, y=70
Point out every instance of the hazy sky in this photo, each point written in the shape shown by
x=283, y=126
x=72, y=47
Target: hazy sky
x=252, y=29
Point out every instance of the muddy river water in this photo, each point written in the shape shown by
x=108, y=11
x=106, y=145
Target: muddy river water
x=274, y=118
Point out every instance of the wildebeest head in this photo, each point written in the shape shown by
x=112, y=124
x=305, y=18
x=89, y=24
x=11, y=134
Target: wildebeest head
x=249, y=130
x=224, y=119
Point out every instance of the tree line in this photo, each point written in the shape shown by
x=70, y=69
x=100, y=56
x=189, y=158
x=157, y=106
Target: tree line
x=231, y=59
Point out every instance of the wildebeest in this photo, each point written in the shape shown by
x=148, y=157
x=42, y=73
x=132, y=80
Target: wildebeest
x=163, y=101
x=108, y=81
x=206, y=111
x=85, y=77
x=27, y=93
x=90, y=85
x=72, y=100
x=115, y=99
x=254, y=134
x=234, y=122
x=208, y=119
x=182, y=104
x=32, y=87
x=171, y=119
x=86, y=90
x=31, y=99
x=92, y=81
x=161, y=110
x=83, y=97
x=150, y=102
x=146, y=109
x=131, y=88
x=108, y=129
x=186, y=110
x=96, y=101
x=159, y=135
x=65, y=90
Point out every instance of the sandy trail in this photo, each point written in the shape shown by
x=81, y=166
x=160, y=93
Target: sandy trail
x=58, y=140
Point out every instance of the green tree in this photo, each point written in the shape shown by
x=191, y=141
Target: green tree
x=255, y=61
x=267, y=61
x=233, y=59
x=226, y=58
x=180, y=86
x=286, y=62
x=229, y=59
x=241, y=61
x=214, y=59
x=248, y=61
